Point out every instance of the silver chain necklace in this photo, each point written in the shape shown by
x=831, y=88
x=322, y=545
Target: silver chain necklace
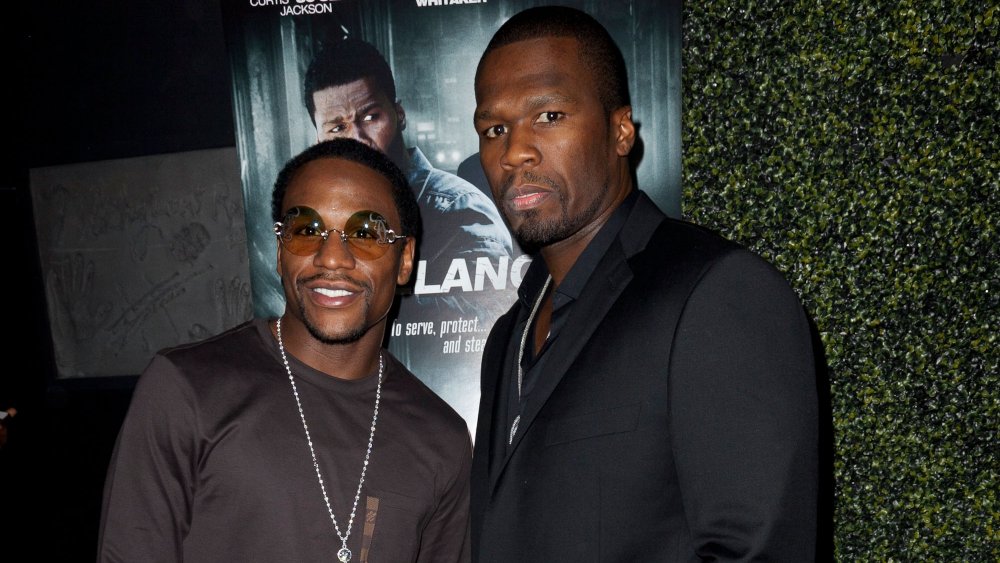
x=344, y=554
x=520, y=353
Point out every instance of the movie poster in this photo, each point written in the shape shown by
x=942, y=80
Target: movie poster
x=468, y=267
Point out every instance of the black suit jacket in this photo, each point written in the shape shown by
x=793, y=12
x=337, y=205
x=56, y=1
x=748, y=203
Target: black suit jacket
x=677, y=419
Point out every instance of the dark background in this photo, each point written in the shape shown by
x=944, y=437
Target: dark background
x=90, y=81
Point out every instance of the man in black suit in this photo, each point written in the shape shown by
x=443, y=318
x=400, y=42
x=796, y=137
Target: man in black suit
x=651, y=396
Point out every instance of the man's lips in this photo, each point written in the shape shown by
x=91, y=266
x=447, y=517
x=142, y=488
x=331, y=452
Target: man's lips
x=527, y=196
x=334, y=293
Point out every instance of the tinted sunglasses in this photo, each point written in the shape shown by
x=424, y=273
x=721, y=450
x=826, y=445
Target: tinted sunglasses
x=366, y=233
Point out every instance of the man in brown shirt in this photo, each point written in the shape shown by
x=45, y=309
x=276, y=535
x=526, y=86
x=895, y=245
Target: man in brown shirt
x=299, y=438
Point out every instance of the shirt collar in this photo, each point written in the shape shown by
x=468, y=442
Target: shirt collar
x=585, y=265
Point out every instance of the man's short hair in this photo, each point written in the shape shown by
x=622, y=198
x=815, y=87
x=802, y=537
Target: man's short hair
x=349, y=149
x=343, y=61
x=598, y=50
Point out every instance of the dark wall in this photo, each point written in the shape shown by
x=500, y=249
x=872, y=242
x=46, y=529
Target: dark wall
x=120, y=79
x=90, y=81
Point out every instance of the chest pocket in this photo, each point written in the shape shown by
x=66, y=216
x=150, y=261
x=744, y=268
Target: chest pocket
x=593, y=424
x=391, y=527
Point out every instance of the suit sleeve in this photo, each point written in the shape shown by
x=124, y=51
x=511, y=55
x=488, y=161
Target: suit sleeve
x=148, y=489
x=743, y=413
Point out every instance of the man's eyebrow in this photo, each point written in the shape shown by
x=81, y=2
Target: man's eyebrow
x=483, y=115
x=542, y=100
x=370, y=103
x=531, y=103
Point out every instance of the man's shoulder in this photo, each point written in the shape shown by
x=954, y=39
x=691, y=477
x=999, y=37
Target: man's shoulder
x=683, y=250
x=430, y=182
x=441, y=183
x=664, y=247
x=209, y=344
x=649, y=233
x=693, y=236
x=211, y=367
x=455, y=212
x=225, y=351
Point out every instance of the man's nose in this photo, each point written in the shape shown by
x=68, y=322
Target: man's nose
x=520, y=149
x=334, y=254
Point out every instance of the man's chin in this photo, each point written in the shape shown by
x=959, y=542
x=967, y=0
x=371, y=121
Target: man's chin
x=532, y=236
x=332, y=337
x=335, y=332
x=338, y=329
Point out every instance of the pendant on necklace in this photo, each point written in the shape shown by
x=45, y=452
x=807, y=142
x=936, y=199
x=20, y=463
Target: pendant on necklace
x=344, y=555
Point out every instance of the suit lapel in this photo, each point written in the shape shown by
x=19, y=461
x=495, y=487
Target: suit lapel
x=599, y=294
x=597, y=298
x=491, y=425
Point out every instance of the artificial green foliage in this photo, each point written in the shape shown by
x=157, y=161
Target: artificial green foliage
x=855, y=145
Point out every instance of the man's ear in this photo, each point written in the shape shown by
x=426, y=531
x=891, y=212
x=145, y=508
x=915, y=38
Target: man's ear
x=624, y=130
x=406, y=261
x=400, y=117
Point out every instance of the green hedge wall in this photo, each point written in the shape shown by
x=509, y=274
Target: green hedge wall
x=856, y=146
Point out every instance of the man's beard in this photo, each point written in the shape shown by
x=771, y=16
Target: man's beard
x=534, y=233
x=352, y=335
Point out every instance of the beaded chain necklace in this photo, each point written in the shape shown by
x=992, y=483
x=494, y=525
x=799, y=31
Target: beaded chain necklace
x=344, y=554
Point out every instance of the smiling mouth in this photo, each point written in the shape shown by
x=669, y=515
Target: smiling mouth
x=333, y=292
